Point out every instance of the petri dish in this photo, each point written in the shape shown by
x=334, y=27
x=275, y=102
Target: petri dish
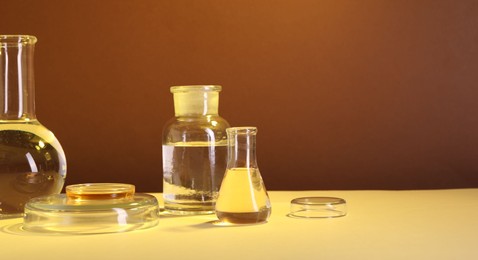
x=318, y=207
x=99, y=191
x=92, y=209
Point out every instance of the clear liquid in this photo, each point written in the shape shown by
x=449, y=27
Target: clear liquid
x=192, y=175
x=243, y=198
x=32, y=163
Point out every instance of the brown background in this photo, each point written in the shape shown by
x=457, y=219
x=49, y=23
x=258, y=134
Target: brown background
x=346, y=94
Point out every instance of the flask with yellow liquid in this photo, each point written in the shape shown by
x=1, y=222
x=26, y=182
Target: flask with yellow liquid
x=32, y=161
x=242, y=197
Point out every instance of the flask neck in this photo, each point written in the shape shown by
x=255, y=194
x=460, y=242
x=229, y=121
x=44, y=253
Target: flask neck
x=17, y=85
x=241, y=147
x=196, y=100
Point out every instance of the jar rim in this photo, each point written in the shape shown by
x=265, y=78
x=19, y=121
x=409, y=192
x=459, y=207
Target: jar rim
x=17, y=39
x=242, y=130
x=187, y=88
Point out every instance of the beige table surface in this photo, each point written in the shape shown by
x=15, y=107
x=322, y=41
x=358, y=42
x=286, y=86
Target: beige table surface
x=436, y=224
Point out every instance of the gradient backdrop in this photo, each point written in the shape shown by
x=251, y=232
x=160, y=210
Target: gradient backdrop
x=345, y=94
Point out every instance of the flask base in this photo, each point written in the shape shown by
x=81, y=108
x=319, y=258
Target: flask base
x=244, y=217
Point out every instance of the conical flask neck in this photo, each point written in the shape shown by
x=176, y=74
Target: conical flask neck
x=242, y=147
x=17, y=85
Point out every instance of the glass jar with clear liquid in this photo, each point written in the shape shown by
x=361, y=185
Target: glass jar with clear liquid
x=194, y=151
x=242, y=197
x=32, y=161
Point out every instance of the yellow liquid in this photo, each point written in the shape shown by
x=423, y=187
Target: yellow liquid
x=243, y=198
x=32, y=163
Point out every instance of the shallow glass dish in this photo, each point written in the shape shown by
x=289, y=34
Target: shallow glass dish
x=92, y=210
x=318, y=207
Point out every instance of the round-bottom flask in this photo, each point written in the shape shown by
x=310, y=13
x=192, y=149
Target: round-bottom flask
x=32, y=162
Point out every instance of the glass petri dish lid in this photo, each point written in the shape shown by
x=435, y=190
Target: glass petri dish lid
x=318, y=207
x=99, y=191
x=92, y=208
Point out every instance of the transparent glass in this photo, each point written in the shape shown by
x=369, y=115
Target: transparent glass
x=318, y=207
x=243, y=198
x=92, y=208
x=99, y=191
x=194, y=151
x=32, y=161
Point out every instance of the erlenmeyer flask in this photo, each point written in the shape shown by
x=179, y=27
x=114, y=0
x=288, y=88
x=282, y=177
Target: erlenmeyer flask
x=32, y=162
x=243, y=197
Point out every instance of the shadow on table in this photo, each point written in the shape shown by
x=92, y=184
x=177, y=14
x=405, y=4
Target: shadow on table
x=17, y=229
x=219, y=224
x=208, y=225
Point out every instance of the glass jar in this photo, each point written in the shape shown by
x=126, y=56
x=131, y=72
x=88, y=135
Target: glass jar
x=194, y=151
x=32, y=161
